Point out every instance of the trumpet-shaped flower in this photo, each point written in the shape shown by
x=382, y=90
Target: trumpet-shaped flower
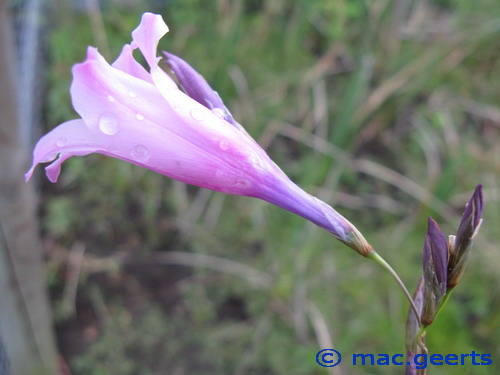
x=142, y=117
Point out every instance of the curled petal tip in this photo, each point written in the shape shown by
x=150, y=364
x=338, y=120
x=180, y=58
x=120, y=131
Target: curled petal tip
x=29, y=174
x=147, y=35
x=92, y=54
x=54, y=169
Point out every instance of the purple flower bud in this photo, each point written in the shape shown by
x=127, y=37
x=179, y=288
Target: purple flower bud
x=435, y=264
x=197, y=87
x=436, y=253
x=468, y=227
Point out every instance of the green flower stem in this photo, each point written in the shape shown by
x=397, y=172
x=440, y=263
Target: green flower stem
x=421, y=331
x=377, y=258
x=443, y=301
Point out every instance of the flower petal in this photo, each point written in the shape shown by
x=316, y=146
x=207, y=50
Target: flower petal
x=99, y=89
x=126, y=63
x=70, y=138
x=197, y=87
x=146, y=37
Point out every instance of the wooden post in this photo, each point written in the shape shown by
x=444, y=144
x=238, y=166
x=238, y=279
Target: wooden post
x=25, y=318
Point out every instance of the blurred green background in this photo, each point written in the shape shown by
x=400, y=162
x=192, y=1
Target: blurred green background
x=388, y=110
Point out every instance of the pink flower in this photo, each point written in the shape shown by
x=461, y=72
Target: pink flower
x=143, y=118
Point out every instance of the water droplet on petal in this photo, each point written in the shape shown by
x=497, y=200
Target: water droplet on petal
x=197, y=114
x=108, y=124
x=111, y=99
x=224, y=145
x=139, y=117
x=174, y=104
x=242, y=183
x=256, y=162
x=132, y=94
x=61, y=141
x=140, y=153
x=219, y=112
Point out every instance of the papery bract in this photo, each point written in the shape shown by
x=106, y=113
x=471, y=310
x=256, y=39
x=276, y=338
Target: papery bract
x=143, y=118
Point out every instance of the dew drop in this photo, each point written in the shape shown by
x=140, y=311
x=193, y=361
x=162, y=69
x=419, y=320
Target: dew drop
x=175, y=105
x=219, y=112
x=111, y=99
x=256, y=162
x=197, y=114
x=224, y=145
x=108, y=124
x=140, y=153
x=61, y=141
x=139, y=117
x=242, y=183
x=132, y=94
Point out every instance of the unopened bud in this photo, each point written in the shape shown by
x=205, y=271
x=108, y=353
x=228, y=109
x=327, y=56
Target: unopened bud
x=435, y=262
x=467, y=230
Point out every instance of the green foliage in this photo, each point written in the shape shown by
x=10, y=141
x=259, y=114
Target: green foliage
x=407, y=105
